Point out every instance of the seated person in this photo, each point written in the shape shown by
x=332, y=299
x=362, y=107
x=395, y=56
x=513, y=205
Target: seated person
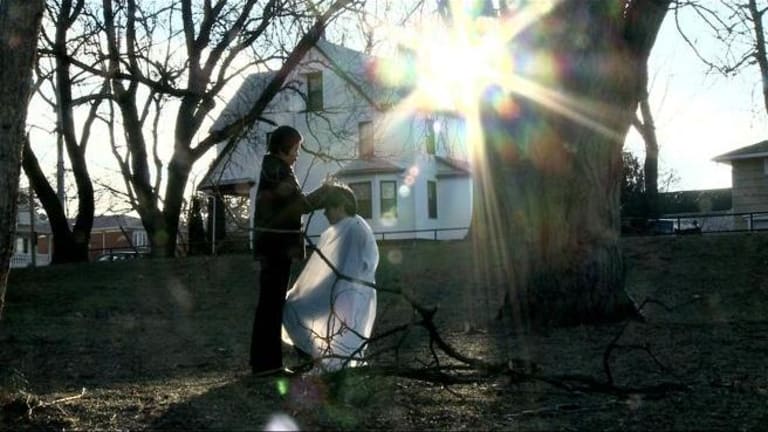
x=331, y=317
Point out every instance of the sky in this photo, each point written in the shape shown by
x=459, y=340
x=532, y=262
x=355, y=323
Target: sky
x=698, y=115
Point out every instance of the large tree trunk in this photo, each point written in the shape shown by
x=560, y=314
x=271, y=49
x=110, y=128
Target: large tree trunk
x=548, y=179
x=67, y=247
x=19, y=26
x=77, y=250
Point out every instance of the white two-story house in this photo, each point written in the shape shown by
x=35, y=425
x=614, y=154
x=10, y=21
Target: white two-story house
x=409, y=168
x=33, y=242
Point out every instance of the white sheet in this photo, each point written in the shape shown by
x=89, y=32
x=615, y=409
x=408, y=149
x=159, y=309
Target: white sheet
x=326, y=316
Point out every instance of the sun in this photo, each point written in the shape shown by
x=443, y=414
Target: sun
x=449, y=65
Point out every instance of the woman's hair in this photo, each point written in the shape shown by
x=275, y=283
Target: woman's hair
x=282, y=139
x=339, y=194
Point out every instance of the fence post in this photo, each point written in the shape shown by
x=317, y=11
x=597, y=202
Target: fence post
x=751, y=221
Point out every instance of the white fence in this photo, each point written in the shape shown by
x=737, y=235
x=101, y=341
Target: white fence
x=25, y=260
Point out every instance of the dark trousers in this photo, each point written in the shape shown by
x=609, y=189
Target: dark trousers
x=266, y=344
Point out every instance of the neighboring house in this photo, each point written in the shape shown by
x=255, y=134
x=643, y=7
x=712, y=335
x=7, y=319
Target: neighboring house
x=23, y=244
x=408, y=168
x=115, y=233
x=749, y=173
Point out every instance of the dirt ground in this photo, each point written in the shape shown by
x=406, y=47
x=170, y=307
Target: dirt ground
x=163, y=345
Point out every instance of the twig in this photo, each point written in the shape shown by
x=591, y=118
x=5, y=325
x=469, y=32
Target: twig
x=64, y=399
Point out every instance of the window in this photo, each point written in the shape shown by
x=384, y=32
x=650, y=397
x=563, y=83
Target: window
x=140, y=238
x=432, y=199
x=389, y=199
x=315, y=91
x=363, y=194
x=25, y=247
x=269, y=137
x=431, y=139
x=365, y=146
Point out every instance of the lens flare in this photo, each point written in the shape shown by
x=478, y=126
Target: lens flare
x=281, y=422
x=282, y=386
x=388, y=220
x=395, y=256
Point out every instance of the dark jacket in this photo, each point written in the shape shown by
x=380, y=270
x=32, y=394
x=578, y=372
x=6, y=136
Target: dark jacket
x=277, y=228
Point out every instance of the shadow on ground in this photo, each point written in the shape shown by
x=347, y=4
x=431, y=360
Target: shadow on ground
x=347, y=401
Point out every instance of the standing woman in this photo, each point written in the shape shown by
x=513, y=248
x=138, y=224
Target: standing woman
x=277, y=240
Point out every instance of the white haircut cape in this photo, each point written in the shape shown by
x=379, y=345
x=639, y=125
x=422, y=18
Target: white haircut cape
x=329, y=317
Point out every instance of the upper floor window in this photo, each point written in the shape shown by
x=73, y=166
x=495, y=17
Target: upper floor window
x=362, y=192
x=365, y=146
x=432, y=199
x=431, y=138
x=388, y=199
x=315, y=91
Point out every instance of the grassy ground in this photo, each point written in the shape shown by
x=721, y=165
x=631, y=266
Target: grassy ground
x=164, y=345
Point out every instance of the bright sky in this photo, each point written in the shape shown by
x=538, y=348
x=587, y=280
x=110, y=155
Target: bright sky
x=698, y=115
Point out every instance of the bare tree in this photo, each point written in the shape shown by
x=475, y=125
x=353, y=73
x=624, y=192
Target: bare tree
x=738, y=27
x=647, y=128
x=55, y=78
x=19, y=27
x=146, y=59
x=547, y=184
x=216, y=42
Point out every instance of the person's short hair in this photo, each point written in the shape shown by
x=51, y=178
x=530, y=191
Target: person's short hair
x=282, y=139
x=339, y=194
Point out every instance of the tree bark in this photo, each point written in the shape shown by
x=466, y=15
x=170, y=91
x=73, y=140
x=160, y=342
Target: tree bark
x=548, y=179
x=19, y=26
x=66, y=249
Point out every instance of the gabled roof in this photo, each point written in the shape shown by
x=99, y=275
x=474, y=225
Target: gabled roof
x=368, y=166
x=448, y=167
x=759, y=150
x=243, y=99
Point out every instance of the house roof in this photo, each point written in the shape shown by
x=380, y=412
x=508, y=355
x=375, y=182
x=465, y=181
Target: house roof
x=239, y=186
x=357, y=68
x=243, y=99
x=758, y=150
x=448, y=167
x=372, y=165
x=116, y=221
x=353, y=66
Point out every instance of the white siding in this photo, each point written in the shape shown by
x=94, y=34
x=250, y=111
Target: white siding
x=454, y=206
